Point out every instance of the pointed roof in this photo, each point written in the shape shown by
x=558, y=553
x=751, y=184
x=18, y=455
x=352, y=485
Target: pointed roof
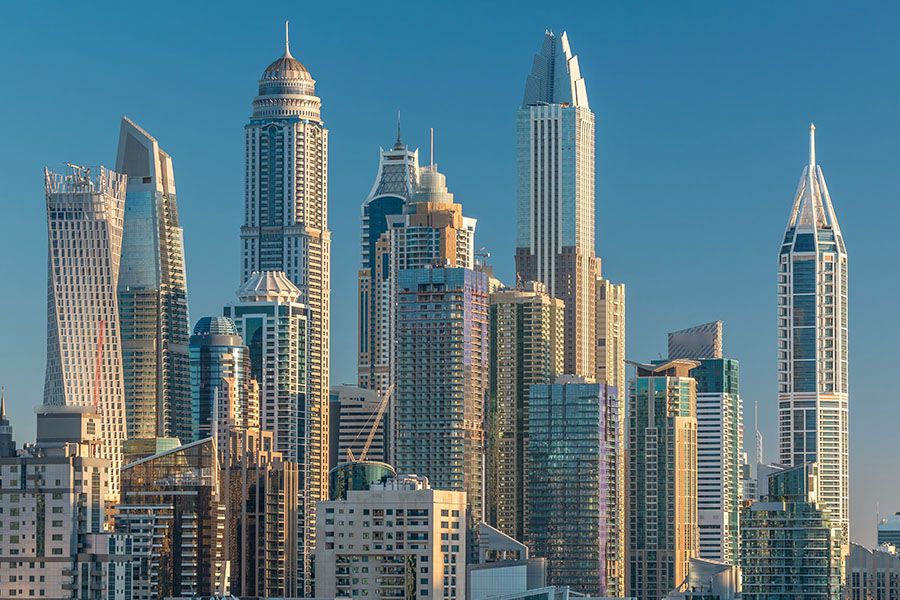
x=2, y=403
x=286, y=67
x=555, y=75
x=140, y=157
x=268, y=286
x=812, y=207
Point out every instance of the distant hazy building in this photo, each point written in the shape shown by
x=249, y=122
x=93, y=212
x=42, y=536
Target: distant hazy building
x=526, y=335
x=889, y=530
x=400, y=539
x=52, y=538
x=222, y=388
x=152, y=290
x=260, y=490
x=790, y=547
x=662, y=458
x=812, y=342
x=85, y=209
x=572, y=503
x=286, y=229
x=395, y=183
x=275, y=325
x=352, y=417
x=872, y=574
x=7, y=444
x=173, y=509
x=555, y=198
x=442, y=379
x=701, y=341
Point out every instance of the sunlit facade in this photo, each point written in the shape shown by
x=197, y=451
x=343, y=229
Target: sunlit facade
x=85, y=209
x=813, y=342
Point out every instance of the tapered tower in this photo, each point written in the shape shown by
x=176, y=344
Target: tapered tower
x=812, y=341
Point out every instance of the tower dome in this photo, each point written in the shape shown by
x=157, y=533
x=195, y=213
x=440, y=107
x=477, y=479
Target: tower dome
x=286, y=89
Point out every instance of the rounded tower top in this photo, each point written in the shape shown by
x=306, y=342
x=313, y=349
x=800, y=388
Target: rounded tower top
x=215, y=326
x=286, y=89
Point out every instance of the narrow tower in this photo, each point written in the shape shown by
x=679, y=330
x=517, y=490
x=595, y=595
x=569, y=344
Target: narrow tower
x=153, y=309
x=555, y=233
x=286, y=224
x=812, y=341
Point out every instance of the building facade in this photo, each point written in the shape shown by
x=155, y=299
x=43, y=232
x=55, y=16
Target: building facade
x=53, y=501
x=85, y=210
x=224, y=395
x=812, y=341
x=555, y=212
x=526, y=336
x=286, y=222
x=260, y=491
x=889, y=530
x=571, y=503
x=790, y=547
x=354, y=413
x=152, y=292
x=173, y=509
x=662, y=464
x=872, y=574
x=275, y=325
x=610, y=322
x=442, y=379
x=400, y=539
x=395, y=183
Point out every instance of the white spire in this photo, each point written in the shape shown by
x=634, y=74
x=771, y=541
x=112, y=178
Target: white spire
x=812, y=145
x=287, y=41
x=2, y=402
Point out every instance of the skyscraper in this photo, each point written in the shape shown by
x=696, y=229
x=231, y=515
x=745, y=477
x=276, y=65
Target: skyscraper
x=286, y=221
x=572, y=500
x=84, y=360
x=442, y=379
x=352, y=415
x=222, y=388
x=812, y=341
x=395, y=183
x=610, y=325
x=555, y=214
x=526, y=348
x=662, y=463
x=720, y=438
x=152, y=290
x=274, y=325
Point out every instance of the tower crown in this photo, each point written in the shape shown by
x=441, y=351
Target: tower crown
x=812, y=208
x=286, y=89
x=555, y=76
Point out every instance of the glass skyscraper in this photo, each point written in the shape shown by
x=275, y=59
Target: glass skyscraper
x=571, y=498
x=152, y=291
x=812, y=341
x=84, y=360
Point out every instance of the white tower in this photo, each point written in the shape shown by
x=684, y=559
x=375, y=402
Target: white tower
x=812, y=341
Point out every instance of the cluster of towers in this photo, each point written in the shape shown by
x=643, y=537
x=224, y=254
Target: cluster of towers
x=515, y=395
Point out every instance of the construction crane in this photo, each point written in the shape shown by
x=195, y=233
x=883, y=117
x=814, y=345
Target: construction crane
x=382, y=406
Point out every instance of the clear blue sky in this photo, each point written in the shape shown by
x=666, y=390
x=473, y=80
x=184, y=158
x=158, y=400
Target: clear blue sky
x=702, y=114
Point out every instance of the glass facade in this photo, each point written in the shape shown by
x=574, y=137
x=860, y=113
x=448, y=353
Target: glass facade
x=572, y=441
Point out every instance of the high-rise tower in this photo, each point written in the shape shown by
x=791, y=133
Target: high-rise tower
x=286, y=221
x=555, y=233
x=84, y=360
x=812, y=341
x=153, y=310
x=395, y=183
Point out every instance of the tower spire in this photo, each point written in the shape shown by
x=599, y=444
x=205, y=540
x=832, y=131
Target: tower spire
x=2, y=402
x=399, y=141
x=287, y=41
x=812, y=145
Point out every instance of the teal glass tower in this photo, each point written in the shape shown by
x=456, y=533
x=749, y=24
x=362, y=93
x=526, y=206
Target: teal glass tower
x=152, y=293
x=571, y=497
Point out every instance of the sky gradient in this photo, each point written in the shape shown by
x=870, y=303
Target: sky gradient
x=702, y=121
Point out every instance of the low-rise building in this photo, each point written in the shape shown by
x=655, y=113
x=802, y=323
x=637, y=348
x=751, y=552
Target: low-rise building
x=872, y=574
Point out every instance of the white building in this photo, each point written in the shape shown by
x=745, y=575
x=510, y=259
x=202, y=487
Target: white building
x=85, y=211
x=52, y=512
x=398, y=538
x=286, y=222
x=812, y=342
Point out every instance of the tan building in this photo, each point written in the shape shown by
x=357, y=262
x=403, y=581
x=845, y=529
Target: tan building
x=400, y=539
x=526, y=347
x=663, y=530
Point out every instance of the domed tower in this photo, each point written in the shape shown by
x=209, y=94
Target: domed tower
x=286, y=229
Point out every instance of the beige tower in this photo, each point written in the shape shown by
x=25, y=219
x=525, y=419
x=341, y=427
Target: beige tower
x=286, y=225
